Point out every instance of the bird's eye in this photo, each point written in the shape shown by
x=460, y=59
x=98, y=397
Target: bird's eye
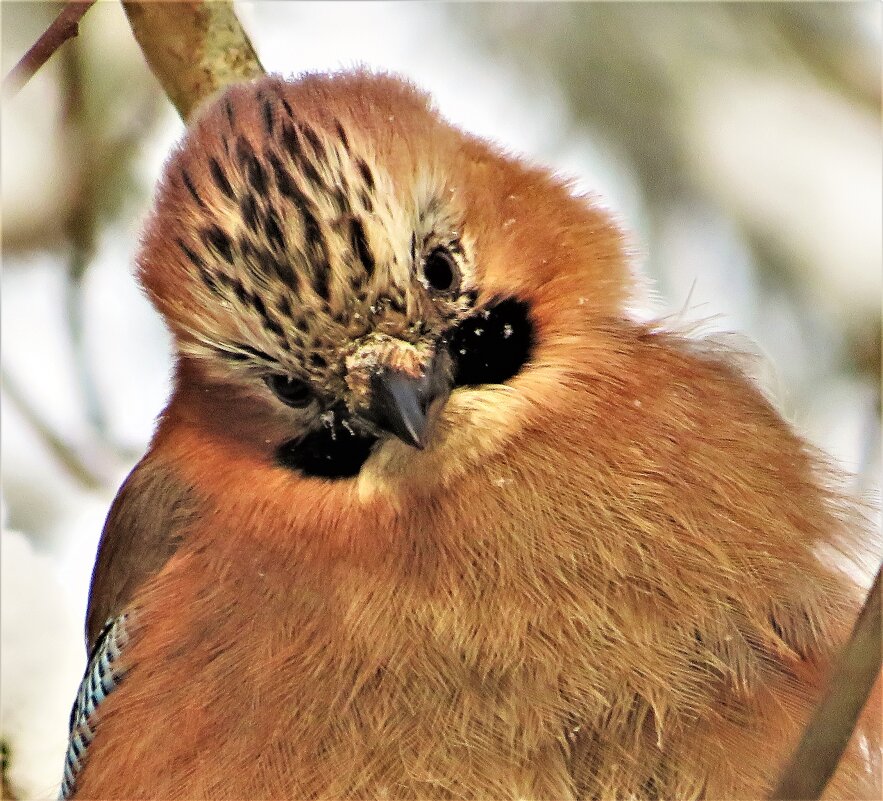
x=289, y=390
x=441, y=271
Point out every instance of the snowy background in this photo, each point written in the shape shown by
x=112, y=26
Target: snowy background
x=739, y=145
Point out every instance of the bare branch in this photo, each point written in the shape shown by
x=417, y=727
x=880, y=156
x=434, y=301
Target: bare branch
x=65, y=26
x=59, y=448
x=834, y=720
x=194, y=48
x=80, y=224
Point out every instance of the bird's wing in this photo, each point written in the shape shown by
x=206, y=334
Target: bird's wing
x=103, y=673
x=143, y=529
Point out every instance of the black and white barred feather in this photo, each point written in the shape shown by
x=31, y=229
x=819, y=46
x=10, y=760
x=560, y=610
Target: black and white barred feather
x=103, y=674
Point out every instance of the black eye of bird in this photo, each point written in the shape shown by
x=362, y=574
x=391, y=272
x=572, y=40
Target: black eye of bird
x=289, y=390
x=441, y=271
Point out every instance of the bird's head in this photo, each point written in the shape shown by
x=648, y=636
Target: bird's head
x=334, y=260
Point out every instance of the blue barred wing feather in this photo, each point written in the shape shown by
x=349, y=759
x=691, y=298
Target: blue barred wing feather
x=103, y=673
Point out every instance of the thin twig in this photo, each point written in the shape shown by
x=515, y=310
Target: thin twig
x=65, y=26
x=60, y=449
x=834, y=721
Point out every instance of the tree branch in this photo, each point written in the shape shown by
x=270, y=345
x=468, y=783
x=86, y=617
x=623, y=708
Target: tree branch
x=827, y=734
x=59, y=448
x=80, y=223
x=65, y=26
x=194, y=48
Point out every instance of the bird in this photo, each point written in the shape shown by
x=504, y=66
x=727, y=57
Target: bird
x=429, y=514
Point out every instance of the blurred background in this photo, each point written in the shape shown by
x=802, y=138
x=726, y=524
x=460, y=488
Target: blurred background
x=738, y=145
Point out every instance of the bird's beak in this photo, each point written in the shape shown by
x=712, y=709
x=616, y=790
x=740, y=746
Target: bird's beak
x=400, y=402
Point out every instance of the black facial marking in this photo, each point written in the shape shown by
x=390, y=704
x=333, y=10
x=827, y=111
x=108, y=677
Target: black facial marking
x=367, y=203
x=219, y=178
x=256, y=175
x=340, y=200
x=293, y=144
x=317, y=360
x=251, y=254
x=254, y=172
x=274, y=328
x=313, y=139
x=228, y=107
x=258, y=305
x=329, y=452
x=367, y=176
x=215, y=238
x=248, y=208
x=341, y=134
x=273, y=232
x=267, y=110
x=291, y=141
x=492, y=345
x=286, y=274
x=241, y=292
x=282, y=176
x=191, y=188
x=310, y=172
x=320, y=281
x=258, y=354
x=360, y=245
x=197, y=262
x=287, y=107
x=312, y=231
x=283, y=304
x=316, y=253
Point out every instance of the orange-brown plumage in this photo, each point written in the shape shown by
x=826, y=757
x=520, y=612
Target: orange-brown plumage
x=600, y=578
